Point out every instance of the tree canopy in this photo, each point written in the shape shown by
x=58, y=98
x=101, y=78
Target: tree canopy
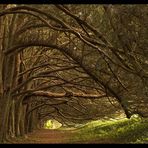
x=71, y=63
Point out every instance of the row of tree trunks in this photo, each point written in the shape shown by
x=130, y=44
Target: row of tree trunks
x=11, y=111
x=13, y=120
x=14, y=125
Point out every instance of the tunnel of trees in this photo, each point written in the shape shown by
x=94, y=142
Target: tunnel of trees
x=71, y=63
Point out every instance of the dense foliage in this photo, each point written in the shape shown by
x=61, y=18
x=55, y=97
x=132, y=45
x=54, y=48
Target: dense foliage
x=72, y=63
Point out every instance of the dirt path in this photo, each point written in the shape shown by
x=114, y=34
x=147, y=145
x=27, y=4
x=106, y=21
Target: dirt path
x=47, y=136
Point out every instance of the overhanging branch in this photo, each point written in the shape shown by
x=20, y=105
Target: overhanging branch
x=49, y=94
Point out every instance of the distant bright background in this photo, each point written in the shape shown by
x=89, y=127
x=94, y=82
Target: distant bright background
x=52, y=124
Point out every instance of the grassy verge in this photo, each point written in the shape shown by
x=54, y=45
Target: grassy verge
x=133, y=130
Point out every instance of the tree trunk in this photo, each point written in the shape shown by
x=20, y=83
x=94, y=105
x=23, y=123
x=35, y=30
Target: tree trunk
x=5, y=103
x=11, y=124
x=22, y=122
x=19, y=117
x=4, y=114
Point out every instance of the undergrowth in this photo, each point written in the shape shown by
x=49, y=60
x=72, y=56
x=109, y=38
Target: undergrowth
x=134, y=130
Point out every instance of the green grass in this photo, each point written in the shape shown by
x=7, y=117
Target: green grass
x=134, y=130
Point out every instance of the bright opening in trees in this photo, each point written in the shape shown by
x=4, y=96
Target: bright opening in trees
x=52, y=124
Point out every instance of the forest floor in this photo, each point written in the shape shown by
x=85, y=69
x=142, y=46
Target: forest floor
x=122, y=131
x=46, y=136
